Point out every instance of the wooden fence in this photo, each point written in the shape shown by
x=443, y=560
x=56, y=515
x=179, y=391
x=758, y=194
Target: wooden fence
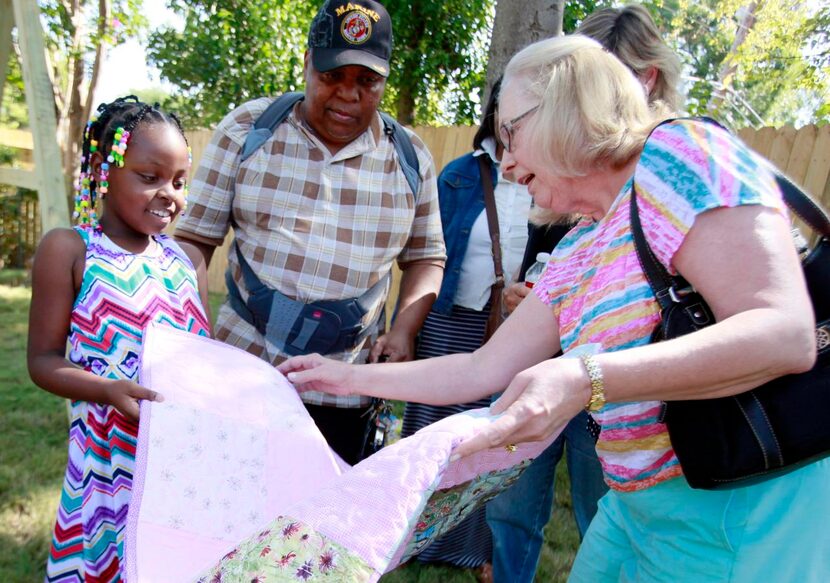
x=803, y=154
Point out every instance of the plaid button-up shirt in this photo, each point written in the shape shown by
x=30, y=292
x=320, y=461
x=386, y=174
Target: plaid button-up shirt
x=313, y=225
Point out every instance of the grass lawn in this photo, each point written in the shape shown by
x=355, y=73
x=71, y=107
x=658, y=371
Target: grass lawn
x=33, y=430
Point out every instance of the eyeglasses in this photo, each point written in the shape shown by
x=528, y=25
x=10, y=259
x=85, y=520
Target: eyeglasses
x=507, y=131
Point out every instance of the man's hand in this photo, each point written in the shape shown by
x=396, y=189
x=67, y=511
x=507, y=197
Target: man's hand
x=394, y=346
x=513, y=296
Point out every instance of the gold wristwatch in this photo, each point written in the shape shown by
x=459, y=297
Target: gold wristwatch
x=597, y=400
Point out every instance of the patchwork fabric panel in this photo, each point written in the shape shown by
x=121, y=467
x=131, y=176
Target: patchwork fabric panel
x=234, y=482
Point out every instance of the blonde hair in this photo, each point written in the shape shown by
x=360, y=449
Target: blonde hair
x=592, y=111
x=631, y=35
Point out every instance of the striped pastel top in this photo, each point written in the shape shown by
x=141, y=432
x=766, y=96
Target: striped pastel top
x=121, y=294
x=598, y=291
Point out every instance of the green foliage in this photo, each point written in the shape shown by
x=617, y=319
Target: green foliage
x=33, y=429
x=151, y=95
x=439, y=59
x=576, y=12
x=19, y=231
x=774, y=79
x=13, y=112
x=71, y=36
x=230, y=51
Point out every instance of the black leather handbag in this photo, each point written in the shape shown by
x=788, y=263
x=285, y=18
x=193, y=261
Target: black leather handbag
x=772, y=429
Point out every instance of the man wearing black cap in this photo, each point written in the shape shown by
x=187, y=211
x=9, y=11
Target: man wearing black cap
x=321, y=208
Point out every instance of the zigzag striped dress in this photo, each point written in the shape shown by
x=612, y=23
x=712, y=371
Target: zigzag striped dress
x=121, y=294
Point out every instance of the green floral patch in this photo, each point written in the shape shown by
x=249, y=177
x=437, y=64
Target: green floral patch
x=289, y=550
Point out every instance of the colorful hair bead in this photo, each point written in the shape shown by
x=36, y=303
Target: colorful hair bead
x=187, y=182
x=119, y=146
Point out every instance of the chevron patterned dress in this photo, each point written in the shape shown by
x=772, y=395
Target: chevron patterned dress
x=121, y=294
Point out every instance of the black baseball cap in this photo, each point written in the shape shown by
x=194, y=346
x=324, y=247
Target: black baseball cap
x=351, y=33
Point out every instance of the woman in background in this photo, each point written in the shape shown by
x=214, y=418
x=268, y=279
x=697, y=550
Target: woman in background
x=458, y=320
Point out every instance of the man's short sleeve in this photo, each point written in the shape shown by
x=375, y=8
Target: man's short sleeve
x=426, y=240
x=208, y=215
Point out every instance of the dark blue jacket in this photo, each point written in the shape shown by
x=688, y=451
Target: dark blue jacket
x=461, y=198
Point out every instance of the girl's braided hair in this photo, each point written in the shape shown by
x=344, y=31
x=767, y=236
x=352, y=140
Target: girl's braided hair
x=121, y=116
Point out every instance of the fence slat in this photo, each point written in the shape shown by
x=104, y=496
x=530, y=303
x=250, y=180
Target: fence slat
x=780, y=147
x=762, y=142
x=818, y=171
x=800, y=154
x=748, y=136
x=17, y=177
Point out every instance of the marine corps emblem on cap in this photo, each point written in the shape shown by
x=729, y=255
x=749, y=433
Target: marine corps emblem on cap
x=351, y=33
x=356, y=28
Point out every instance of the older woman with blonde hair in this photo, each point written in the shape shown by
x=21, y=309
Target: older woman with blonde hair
x=577, y=131
x=518, y=516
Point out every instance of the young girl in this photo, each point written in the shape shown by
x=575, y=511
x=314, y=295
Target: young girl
x=95, y=289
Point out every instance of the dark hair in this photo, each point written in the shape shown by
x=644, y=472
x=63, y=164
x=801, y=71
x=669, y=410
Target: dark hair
x=488, y=128
x=127, y=113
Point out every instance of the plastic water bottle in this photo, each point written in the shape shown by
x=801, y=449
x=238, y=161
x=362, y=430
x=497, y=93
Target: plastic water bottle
x=535, y=271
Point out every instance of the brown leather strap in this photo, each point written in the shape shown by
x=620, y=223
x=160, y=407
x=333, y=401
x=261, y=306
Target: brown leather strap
x=485, y=167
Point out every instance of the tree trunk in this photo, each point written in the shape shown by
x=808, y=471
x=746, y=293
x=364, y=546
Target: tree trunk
x=405, y=105
x=746, y=16
x=78, y=100
x=405, y=101
x=519, y=23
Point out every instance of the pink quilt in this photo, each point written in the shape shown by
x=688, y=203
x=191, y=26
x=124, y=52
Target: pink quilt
x=233, y=481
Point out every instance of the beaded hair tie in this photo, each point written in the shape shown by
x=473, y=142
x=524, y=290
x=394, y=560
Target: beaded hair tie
x=85, y=212
x=84, y=203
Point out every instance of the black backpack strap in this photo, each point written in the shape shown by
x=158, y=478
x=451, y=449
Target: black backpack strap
x=279, y=109
x=267, y=122
x=407, y=157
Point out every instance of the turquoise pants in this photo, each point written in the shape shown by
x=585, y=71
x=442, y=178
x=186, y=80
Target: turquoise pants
x=777, y=531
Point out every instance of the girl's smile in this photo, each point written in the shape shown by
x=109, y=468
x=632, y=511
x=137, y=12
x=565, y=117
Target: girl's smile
x=147, y=193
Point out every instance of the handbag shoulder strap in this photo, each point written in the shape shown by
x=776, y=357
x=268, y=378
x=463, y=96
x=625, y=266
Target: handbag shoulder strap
x=495, y=317
x=485, y=167
x=659, y=278
x=802, y=205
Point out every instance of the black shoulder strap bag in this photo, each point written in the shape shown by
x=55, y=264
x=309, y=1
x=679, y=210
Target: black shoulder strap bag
x=770, y=430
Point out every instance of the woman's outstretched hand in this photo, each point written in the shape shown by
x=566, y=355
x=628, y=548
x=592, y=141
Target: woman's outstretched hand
x=313, y=372
x=538, y=402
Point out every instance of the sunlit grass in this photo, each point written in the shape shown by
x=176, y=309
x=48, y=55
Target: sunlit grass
x=33, y=429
